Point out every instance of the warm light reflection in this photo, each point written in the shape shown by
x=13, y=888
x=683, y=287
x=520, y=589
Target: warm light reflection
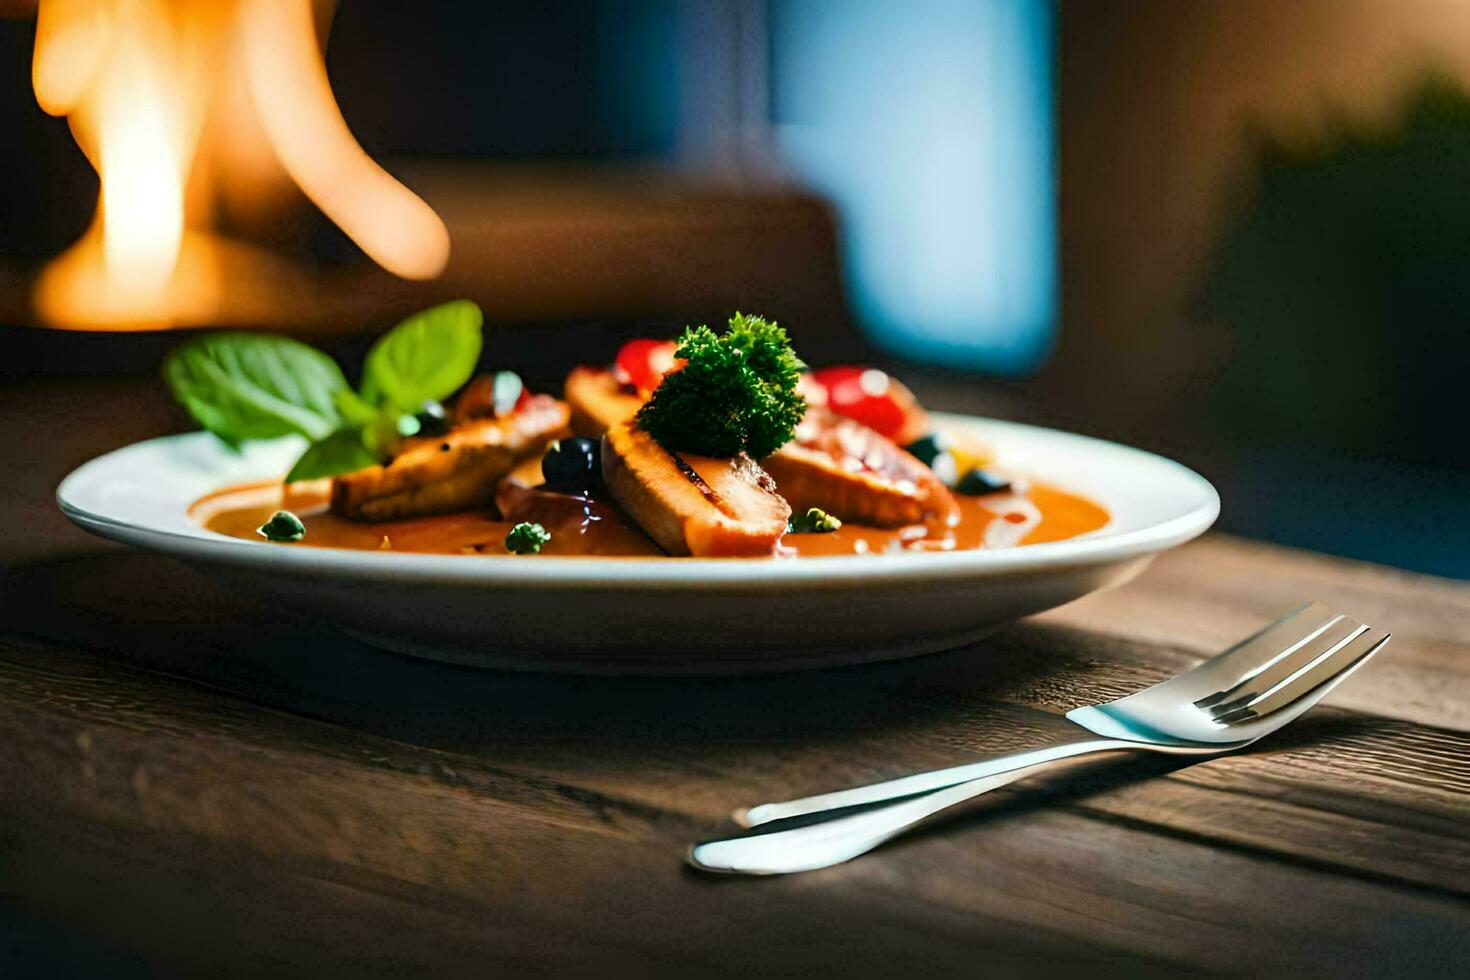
x=181, y=105
x=296, y=108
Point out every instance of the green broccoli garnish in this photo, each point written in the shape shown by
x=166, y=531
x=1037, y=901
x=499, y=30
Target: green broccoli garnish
x=526, y=539
x=814, y=521
x=734, y=394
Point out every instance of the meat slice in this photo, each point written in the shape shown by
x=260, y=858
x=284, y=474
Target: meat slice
x=597, y=401
x=853, y=473
x=835, y=463
x=456, y=471
x=693, y=505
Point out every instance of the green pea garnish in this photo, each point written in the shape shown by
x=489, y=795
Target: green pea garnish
x=283, y=526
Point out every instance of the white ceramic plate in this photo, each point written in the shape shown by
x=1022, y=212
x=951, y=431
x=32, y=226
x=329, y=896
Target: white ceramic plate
x=659, y=615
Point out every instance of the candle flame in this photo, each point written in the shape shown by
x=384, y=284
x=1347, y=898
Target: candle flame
x=152, y=91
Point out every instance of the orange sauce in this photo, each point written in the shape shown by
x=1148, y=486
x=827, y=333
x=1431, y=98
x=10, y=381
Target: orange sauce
x=591, y=527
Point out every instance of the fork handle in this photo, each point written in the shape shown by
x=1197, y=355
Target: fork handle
x=1020, y=763
x=820, y=831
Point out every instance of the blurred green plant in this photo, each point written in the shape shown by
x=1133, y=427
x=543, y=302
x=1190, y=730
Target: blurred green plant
x=1344, y=288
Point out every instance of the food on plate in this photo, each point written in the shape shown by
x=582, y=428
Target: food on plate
x=714, y=445
x=453, y=471
x=283, y=526
x=490, y=396
x=848, y=469
x=243, y=386
x=813, y=521
x=979, y=481
x=573, y=465
x=872, y=397
x=598, y=400
x=825, y=460
x=730, y=394
x=526, y=538
x=683, y=466
x=642, y=364
x=705, y=506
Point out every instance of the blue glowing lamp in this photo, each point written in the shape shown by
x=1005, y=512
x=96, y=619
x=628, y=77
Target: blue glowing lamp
x=929, y=124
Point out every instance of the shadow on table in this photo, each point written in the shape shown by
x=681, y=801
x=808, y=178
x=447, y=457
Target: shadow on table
x=149, y=613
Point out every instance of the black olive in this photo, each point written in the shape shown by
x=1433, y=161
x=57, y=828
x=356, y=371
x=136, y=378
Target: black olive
x=933, y=451
x=927, y=447
x=978, y=482
x=433, y=420
x=573, y=466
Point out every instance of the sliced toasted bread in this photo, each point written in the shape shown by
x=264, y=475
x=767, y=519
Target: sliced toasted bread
x=852, y=472
x=452, y=472
x=693, y=505
x=597, y=401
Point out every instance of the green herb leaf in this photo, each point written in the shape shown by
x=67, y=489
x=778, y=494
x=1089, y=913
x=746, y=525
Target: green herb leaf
x=341, y=452
x=735, y=393
x=353, y=407
x=283, y=526
x=255, y=386
x=383, y=434
x=527, y=539
x=427, y=357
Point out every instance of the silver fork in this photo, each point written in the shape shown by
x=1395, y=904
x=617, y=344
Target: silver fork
x=1223, y=704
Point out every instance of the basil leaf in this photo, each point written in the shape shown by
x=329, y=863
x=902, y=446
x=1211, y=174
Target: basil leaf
x=254, y=386
x=353, y=407
x=341, y=452
x=427, y=357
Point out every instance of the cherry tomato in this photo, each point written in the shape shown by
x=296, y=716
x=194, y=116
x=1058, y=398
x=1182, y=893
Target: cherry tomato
x=866, y=395
x=643, y=363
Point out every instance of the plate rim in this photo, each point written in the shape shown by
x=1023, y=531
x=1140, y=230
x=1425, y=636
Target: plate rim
x=613, y=574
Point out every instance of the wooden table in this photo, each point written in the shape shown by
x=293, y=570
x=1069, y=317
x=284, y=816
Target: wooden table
x=193, y=783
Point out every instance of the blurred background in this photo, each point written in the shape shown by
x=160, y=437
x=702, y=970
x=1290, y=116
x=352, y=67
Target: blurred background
x=1233, y=231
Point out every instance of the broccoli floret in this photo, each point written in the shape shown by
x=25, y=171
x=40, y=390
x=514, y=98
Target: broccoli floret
x=526, y=539
x=814, y=521
x=734, y=394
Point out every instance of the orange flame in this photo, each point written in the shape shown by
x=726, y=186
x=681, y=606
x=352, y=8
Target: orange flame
x=153, y=92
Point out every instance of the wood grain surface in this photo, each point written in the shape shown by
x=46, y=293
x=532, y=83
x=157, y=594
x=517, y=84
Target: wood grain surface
x=193, y=783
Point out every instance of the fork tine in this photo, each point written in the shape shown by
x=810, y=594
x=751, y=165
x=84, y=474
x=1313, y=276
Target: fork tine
x=1319, y=676
x=1284, y=663
x=1260, y=649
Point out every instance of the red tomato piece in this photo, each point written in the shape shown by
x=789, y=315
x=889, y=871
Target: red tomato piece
x=866, y=395
x=643, y=363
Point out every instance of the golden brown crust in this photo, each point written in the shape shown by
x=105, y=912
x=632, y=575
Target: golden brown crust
x=597, y=401
x=834, y=463
x=456, y=471
x=693, y=505
x=852, y=472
